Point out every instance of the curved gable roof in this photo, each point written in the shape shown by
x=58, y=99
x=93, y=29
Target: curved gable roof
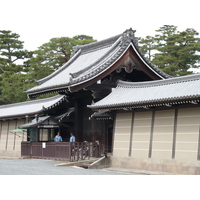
x=89, y=61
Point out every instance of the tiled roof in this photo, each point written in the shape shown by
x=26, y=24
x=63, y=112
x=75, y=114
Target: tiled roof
x=101, y=115
x=167, y=92
x=40, y=122
x=88, y=61
x=34, y=122
x=16, y=110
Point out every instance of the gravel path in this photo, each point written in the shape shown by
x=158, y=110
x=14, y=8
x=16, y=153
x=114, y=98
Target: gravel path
x=47, y=167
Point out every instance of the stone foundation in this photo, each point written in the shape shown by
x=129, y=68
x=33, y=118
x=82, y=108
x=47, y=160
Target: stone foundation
x=10, y=154
x=170, y=166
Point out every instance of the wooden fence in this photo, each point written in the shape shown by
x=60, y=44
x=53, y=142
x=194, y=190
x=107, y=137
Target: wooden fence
x=72, y=151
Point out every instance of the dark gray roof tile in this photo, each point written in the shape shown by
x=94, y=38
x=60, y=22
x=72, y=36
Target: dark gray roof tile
x=134, y=95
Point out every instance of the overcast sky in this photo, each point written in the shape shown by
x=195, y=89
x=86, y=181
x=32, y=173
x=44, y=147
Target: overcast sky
x=37, y=21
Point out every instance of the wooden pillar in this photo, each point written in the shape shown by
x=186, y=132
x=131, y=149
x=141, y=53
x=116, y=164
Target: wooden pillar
x=78, y=123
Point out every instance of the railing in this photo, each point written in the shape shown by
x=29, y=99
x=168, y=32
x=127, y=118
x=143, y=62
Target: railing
x=62, y=150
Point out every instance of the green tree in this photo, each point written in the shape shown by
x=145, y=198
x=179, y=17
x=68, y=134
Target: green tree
x=165, y=47
x=188, y=49
x=13, y=85
x=147, y=45
x=52, y=55
x=165, y=32
x=14, y=65
x=11, y=51
x=176, y=52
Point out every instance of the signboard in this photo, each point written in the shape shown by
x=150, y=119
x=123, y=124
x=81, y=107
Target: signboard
x=44, y=145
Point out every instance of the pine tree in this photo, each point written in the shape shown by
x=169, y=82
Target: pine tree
x=147, y=45
x=175, y=52
x=13, y=67
x=53, y=54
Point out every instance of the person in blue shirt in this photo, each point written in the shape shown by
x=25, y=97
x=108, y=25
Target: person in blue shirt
x=58, y=138
x=72, y=138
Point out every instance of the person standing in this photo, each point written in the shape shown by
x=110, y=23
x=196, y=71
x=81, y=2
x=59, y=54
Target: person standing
x=72, y=138
x=58, y=138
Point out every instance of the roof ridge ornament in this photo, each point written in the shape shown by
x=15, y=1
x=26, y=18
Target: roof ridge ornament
x=129, y=36
x=130, y=33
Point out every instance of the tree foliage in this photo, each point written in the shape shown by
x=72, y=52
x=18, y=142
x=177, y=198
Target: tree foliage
x=19, y=68
x=13, y=67
x=148, y=45
x=11, y=48
x=175, y=52
x=52, y=55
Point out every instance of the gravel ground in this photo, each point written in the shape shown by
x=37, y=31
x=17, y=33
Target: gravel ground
x=47, y=167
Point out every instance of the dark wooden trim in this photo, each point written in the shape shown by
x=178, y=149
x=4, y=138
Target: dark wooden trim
x=78, y=120
x=26, y=133
x=131, y=133
x=174, y=133
x=151, y=133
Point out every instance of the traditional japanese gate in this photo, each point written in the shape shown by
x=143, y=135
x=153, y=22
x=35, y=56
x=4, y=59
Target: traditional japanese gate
x=62, y=150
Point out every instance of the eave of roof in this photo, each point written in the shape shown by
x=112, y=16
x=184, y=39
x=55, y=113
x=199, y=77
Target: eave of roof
x=40, y=122
x=101, y=115
x=89, y=61
x=34, y=122
x=29, y=108
x=180, y=90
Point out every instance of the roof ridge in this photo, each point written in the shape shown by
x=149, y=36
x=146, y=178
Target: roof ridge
x=159, y=82
x=98, y=45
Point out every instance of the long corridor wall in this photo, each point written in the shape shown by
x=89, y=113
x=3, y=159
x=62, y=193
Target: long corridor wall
x=10, y=142
x=162, y=135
